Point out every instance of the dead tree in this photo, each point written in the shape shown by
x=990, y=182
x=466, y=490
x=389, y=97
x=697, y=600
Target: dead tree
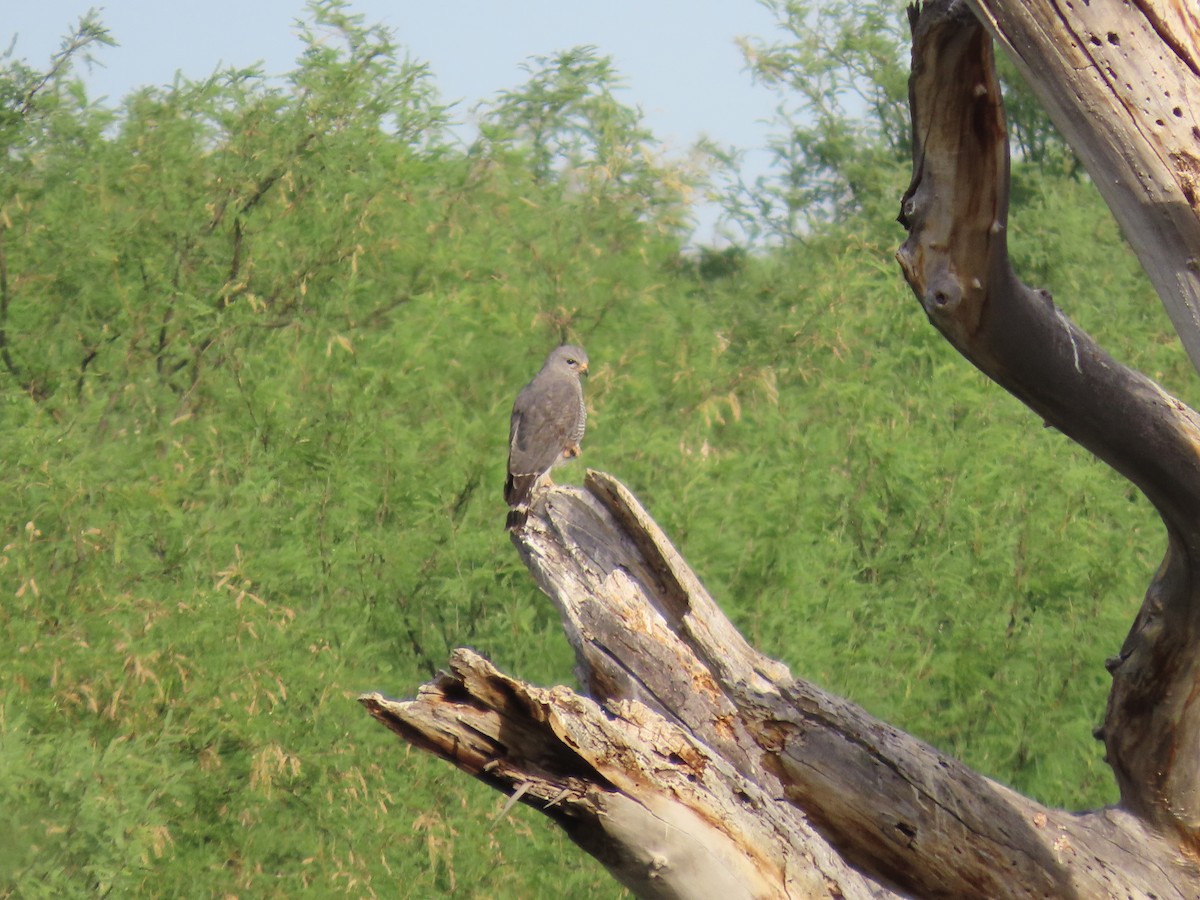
x=691, y=765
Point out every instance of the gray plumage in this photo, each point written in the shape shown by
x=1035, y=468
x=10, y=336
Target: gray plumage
x=548, y=419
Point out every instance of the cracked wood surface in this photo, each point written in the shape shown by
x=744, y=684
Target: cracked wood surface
x=956, y=261
x=683, y=712
x=1121, y=80
x=664, y=813
x=696, y=767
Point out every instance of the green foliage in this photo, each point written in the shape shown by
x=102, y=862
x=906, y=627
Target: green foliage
x=259, y=344
x=842, y=147
x=576, y=136
x=841, y=73
x=33, y=101
x=878, y=515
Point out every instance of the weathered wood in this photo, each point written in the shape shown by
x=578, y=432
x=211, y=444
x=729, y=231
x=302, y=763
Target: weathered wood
x=956, y=260
x=1121, y=80
x=663, y=812
x=695, y=766
x=686, y=712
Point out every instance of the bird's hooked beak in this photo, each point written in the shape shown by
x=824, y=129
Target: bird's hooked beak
x=583, y=369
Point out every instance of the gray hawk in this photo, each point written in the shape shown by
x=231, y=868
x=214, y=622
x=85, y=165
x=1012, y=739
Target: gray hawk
x=547, y=425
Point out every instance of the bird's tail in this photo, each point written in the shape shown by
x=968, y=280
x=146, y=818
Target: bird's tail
x=517, y=491
x=517, y=517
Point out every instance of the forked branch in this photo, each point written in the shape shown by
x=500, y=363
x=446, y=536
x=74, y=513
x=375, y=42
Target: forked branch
x=696, y=767
x=690, y=725
x=956, y=261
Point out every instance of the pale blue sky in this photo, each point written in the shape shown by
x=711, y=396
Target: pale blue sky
x=678, y=57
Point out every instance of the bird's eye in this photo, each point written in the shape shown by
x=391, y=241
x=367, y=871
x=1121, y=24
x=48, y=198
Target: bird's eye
x=572, y=362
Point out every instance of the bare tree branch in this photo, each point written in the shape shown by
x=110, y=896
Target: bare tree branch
x=679, y=698
x=956, y=260
x=1121, y=81
x=697, y=767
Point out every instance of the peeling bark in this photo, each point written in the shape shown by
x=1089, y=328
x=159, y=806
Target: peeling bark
x=956, y=261
x=1121, y=80
x=663, y=812
x=754, y=771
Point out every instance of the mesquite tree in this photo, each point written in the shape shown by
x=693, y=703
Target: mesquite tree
x=691, y=765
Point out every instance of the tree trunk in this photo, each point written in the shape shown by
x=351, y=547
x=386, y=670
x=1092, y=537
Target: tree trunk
x=956, y=260
x=696, y=767
x=1121, y=80
x=693, y=766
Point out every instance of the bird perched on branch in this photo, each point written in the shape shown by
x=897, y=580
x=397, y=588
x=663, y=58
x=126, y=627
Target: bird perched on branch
x=547, y=425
